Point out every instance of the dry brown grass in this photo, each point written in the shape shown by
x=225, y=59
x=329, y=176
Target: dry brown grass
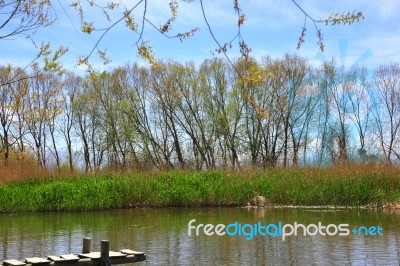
x=23, y=166
x=355, y=169
x=20, y=171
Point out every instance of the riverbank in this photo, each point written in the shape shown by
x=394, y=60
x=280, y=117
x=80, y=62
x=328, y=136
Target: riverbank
x=377, y=186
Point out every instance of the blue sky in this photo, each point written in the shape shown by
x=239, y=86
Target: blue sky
x=271, y=28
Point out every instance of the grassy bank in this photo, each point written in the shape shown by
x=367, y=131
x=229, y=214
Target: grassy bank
x=354, y=186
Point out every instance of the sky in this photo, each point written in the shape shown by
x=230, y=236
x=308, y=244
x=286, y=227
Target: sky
x=271, y=28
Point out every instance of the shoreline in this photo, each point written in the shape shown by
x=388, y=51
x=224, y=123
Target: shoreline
x=389, y=207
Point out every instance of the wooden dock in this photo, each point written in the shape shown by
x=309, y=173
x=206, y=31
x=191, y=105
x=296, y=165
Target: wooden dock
x=87, y=258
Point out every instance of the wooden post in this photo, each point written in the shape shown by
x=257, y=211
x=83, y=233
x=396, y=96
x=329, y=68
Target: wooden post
x=86, y=245
x=104, y=253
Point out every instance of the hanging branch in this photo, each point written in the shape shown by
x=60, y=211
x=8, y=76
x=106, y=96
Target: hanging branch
x=334, y=19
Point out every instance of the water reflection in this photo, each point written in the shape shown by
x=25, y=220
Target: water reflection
x=162, y=233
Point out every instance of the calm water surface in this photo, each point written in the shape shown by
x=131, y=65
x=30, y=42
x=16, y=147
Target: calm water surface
x=163, y=235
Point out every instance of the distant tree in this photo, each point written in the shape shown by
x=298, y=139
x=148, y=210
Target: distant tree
x=7, y=111
x=83, y=124
x=70, y=88
x=358, y=98
x=387, y=110
x=42, y=108
x=166, y=100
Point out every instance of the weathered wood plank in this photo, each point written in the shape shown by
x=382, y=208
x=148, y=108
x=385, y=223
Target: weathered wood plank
x=37, y=260
x=84, y=261
x=13, y=262
x=55, y=258
x=114, y=254
x=91, y=255
x=69, y=257
x=132, y=252
x=127, y=259
x=97, y=255
x=114, y=261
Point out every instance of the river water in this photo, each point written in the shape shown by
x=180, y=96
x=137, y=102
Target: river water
x=163, y=235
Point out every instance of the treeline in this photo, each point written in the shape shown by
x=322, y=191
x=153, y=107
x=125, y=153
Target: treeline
x=265, y=113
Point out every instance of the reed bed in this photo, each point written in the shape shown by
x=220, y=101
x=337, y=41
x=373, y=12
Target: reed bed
x=352, y=186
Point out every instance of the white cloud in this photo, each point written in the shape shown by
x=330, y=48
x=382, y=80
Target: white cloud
x=384, y=46
x=387, y=9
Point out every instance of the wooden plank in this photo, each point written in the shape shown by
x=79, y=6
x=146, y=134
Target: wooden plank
x=13, y=262
x=114, y=261
x=126, y=260
x=97, y=255
x=37, y=260
x=70, y=257
x=132, y=252
x=55, y=258
x=114, y=254
x=91, y=255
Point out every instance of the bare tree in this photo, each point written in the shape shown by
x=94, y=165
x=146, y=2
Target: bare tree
x=70, y=88
x=387, y=109
x=358, y=101
x=8, y=106
x=40, y=114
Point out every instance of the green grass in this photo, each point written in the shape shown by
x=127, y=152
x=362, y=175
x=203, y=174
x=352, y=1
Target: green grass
x=313, y=187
